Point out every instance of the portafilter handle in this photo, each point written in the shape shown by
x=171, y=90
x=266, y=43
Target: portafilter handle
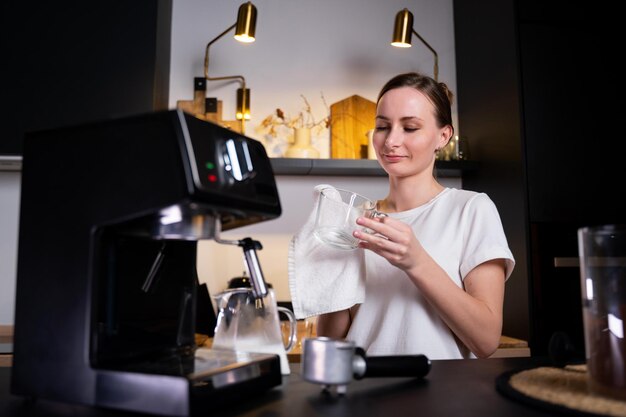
x=415, y=366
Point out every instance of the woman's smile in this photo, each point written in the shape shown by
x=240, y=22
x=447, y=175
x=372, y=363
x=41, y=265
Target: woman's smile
x=393, y=157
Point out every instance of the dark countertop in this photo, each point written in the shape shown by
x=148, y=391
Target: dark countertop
x=452, y=388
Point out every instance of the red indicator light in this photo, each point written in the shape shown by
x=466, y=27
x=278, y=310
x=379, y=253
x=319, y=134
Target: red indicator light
x=212, y=178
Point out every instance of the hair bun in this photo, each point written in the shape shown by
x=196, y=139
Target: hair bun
x=446, y=90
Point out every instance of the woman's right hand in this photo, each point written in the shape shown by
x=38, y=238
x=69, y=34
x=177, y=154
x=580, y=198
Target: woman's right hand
x=392, y=239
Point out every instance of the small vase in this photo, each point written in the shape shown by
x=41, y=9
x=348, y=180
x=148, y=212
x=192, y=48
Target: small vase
x=301, y=147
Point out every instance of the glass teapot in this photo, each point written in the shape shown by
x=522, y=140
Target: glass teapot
x=252, y=325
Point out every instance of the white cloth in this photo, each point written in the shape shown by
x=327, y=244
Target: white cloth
x=460, y=229
x=323, y=279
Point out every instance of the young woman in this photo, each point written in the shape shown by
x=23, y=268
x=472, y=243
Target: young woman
x=437, y=265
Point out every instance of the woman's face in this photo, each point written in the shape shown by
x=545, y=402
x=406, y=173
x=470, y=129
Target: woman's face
x=406, y=134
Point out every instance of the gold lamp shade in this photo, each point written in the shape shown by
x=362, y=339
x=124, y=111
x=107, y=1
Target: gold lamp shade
x=403, y=29
x=243, y=104
x=246, y=23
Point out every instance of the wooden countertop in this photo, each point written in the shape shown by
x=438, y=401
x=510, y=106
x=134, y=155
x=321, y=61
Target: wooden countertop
x=509, y=347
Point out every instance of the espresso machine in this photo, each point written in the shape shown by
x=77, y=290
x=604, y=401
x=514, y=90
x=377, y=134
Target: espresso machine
x=107, y=288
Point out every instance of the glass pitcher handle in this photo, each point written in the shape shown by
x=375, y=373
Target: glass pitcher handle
x=293, y=326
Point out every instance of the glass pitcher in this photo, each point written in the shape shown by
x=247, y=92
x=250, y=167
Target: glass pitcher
x=252, y=325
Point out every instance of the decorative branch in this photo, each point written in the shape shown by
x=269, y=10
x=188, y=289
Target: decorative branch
x=304, y=119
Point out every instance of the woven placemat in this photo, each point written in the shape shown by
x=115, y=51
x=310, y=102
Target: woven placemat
x=558, y=390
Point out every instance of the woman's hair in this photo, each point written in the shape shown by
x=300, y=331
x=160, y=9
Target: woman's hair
x=436, y=92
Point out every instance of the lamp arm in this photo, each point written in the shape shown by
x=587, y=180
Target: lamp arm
x=206, y=53
x=436, y=66
x=228, y=77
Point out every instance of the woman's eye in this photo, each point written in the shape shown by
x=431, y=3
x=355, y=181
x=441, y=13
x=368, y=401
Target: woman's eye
x=381, y=128
x=410, y=129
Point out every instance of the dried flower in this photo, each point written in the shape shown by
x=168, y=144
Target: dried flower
x=304, y=119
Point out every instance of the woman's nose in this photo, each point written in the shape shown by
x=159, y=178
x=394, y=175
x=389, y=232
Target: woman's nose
x=393, y=139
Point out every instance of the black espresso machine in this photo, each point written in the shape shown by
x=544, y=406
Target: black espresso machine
x=106, y=280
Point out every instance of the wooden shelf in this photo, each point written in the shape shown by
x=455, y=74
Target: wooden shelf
x=322, y=167
x=10, y=162
x=358, y=167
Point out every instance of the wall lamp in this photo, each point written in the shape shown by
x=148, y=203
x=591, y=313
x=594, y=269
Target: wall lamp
x=402, y=31
x=245, y=28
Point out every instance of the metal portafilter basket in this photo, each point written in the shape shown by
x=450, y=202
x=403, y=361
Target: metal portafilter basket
x=336, y=362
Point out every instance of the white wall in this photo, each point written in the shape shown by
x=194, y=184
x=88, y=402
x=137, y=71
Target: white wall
x=338, y=48
x=9, y=219
x=334, y=48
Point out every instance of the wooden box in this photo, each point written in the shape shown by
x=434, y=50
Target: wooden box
x=350, y=119
x=198, y=109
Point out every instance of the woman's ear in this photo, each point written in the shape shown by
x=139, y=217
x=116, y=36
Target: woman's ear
x=445, y=136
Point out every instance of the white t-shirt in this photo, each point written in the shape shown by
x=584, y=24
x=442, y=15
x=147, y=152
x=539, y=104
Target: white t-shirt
x=460, y=229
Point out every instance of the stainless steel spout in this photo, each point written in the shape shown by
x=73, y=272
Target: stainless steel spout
x=249, y=246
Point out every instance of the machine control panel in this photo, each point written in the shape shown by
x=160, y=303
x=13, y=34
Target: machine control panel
x=237, y=159
x=227, y=163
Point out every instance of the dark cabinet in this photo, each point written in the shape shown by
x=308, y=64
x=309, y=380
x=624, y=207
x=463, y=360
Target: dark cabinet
x=571, y=171
x=71, y=62
x=556, y=304
x=572, y=178
x=551, y=62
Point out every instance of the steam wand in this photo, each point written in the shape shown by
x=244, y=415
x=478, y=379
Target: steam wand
x=259, y=287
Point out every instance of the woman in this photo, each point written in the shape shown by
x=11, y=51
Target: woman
x=435, y=278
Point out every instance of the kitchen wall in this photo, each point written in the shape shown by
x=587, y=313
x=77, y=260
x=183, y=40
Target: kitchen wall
x=337, y=49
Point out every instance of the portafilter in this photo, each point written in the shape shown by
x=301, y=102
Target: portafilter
x=336, y=362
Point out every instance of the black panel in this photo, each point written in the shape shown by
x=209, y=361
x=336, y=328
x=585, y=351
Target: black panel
x=572, y=172
x=145, y=308
x=556, y=297
x=540, y=77
x=75, y=61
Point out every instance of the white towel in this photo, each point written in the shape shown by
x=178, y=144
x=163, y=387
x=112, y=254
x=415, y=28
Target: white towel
x=323, y=279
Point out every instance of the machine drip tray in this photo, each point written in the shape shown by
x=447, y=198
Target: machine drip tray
x=205, y=363
x=213, y=377
x=222, y=377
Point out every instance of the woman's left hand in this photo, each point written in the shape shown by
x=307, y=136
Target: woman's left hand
x=391, y=239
